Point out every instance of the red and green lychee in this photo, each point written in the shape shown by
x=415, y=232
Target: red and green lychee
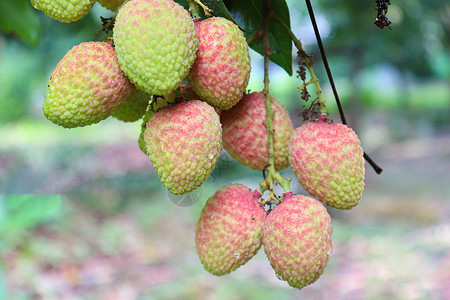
x=87, y=86
x=245, y=135
x=221, y=70
x=297, y=239
x=184, y=142
x=228, y=232
x=328, y=161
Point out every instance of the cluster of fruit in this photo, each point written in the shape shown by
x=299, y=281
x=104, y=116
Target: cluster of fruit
x=186, y=79
x=156, y=46
x=327, y=160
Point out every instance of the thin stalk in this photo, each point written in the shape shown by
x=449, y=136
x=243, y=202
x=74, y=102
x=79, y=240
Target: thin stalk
x=206, y=9
x=194, y=9
x=308, y=63
x=273, y=175
x=111, y=22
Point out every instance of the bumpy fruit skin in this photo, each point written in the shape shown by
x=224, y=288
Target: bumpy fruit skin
x=328, y=161
x=141, y=140
x=221, y=71
x=64, y=10
x=245, y=135
x=86, y=86
x=228, y=232
x=184, y=142
x=135, y=107
x=156, y=44
x=155, y=104
x=187, y=93
x=297, y=239
x=112, y=5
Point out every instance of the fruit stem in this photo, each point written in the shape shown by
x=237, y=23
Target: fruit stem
x=195, y=11
x=308, y=63
x=112, y=20
x=273, y=175
x=206, y=9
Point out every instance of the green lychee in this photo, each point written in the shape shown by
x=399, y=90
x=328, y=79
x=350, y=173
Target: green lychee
x=297, y=239
x=141, y=140
x=221, y=70
x=228, y=232
x=64, y=10
x=86, y=86
x=328, y=161
x=245, y=135
x=135, y=107
x=112, y=5
x=156, y=44
x=184, y=142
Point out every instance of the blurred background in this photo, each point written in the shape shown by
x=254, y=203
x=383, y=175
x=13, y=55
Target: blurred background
x=84, y=216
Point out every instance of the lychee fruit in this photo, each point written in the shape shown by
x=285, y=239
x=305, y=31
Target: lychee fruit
x=297, y=239
x=86, y=86
x=156, y=43
x=245, y=135
x=187, y=93
x=112, y=5
x=184, y=143
x=328, y=161
x=64, y=10
x=228, y=232
x=134, y=108
x=156, y=103
x=141, y=140
x=221, y=70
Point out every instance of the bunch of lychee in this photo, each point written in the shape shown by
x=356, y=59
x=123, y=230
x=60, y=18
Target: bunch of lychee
x=297, y=233
x=186, y=80
x=173, y=72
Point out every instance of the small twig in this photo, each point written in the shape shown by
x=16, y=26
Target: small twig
x=300, y=88
x=108, y=23
x=206, y=9
x=382, y=21
x=256, y=36
x=194, y=9
x=307, y=61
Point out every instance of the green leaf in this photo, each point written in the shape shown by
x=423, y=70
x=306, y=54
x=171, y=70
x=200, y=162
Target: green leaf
x=218, y=9
x=248, y=15
x=19, y=18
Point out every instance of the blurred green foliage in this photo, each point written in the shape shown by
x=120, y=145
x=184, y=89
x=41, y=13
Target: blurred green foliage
x=406, y=68
x=18, y=213
x=418, y=39
x=25, y=65
x=18, y=18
